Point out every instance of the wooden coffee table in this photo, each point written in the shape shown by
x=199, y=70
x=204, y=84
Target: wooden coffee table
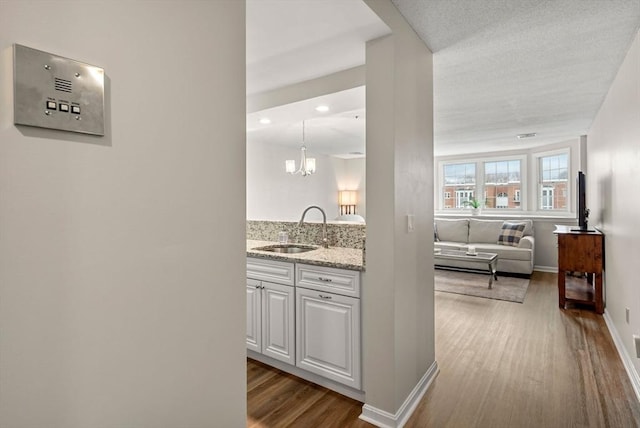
x=488, y=259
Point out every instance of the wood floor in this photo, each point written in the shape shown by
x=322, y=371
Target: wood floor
x=501, y=364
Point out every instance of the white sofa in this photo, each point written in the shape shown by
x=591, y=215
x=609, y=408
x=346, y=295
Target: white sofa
x=459, y=234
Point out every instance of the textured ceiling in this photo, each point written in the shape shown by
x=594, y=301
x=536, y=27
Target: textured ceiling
x=501, y=67
x=506, y=67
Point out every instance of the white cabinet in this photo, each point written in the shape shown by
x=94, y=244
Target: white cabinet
x=271, y=316
x=278, y=322
x=270, y=320
x=271, y=270
x=331, y=280
x=328, y=324
x=254, y=315
x=307, y=316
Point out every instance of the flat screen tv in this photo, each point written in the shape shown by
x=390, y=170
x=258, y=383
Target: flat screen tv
x=581, y=202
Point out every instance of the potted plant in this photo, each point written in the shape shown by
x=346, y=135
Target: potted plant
x=474, y=204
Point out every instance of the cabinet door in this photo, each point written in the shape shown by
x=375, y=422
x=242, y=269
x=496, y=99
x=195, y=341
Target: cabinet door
x=278, y=331
x=328, y=335
x=254, y=315
x=582, y=252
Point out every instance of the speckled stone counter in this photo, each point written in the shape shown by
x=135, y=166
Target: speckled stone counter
x=337, y=257
x=339, y=234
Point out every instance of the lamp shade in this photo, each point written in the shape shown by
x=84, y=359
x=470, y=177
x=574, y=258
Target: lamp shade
x=311, y=165
x=347, y=197
x=290, y=166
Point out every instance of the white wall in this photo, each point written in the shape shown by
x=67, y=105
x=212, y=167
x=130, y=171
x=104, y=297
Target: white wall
x=354, y=178
x=545, y=257
x=273, y=194
x=398, y=310
x=117, y=305
x=613, y=180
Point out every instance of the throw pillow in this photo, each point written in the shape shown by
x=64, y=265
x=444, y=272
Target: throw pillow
x=511, y=234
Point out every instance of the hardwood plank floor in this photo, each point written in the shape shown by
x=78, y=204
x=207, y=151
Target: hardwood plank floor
x=501, y=364
x=278, y=399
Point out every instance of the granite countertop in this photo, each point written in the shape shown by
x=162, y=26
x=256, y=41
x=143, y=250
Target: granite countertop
x=336, y=257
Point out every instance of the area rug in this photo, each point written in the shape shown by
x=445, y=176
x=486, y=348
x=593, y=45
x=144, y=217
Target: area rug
x=509, y=288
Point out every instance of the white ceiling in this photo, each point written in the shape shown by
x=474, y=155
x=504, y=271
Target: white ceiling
x=501, y=67
x=291, y=41
x=339, y=132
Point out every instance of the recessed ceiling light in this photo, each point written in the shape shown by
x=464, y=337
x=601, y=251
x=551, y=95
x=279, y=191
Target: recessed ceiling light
x=521, y=136
x=265, y=121
x=322, y=109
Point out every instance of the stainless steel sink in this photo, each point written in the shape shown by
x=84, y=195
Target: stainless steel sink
x=286, y=248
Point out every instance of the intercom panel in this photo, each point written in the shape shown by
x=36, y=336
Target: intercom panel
x=54, y=92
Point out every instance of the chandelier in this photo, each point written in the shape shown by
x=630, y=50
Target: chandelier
x=307, y=165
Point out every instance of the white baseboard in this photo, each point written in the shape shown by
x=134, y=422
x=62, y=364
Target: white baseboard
x=552, y=269
x=383, y=419
x=624, y=355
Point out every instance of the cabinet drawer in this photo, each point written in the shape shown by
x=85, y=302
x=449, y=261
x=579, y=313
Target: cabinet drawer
x=270, y=270
x=331, y=280
x=580, y=252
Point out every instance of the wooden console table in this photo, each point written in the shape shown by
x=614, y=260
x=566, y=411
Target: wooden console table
x=580, y=266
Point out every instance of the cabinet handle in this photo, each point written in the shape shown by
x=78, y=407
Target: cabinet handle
x=324, y=297
x=324, y=279
x=257, y=287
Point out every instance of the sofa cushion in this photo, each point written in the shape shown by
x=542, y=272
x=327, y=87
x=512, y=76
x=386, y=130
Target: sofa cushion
x=511, y=234
x=484, y=231
x=452, y=230
x=446, y=245
x=505, y=252
x=528, y=226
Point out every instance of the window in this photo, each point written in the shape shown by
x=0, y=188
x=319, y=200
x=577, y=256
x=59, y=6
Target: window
x=546, y=198
x=502, y=200
x=553, y=181
x=501, y=178
x=506, y=183
x=459, y=179
x=462, y=196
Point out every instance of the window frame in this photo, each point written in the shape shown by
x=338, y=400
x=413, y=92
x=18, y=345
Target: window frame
x=540, y=184
x=462, y=196
x=546, y=195
x=480, y=188
x=523, y=162
x=453, y=194
x=530, y=194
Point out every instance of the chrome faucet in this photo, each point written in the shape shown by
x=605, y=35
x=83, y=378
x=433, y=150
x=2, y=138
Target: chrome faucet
x=325, y=241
